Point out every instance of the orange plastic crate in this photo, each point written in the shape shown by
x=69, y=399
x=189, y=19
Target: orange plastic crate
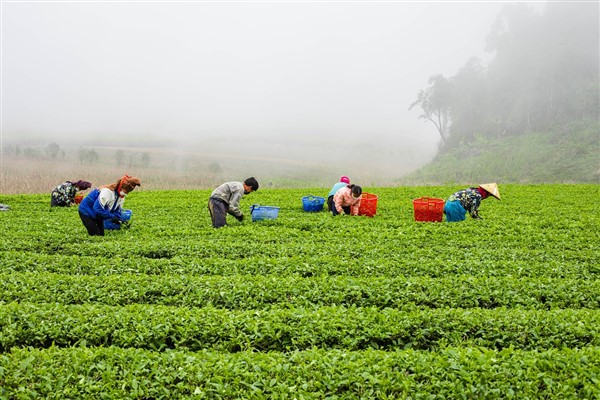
x=428, y=209
x=368, y=205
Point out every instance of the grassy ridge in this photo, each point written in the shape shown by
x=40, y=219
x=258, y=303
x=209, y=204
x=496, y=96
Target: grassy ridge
x=569, y=153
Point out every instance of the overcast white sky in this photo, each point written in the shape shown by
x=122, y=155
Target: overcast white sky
x=192, y=70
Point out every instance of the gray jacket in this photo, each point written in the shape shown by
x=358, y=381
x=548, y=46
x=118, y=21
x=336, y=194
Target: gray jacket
x=231, y=193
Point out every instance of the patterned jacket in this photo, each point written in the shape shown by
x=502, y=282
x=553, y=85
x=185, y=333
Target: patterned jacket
x=64, y=194
x=470, y=199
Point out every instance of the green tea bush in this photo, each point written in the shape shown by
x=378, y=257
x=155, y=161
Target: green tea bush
x=307, y=305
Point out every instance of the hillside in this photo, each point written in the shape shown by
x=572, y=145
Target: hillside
x=567, y=154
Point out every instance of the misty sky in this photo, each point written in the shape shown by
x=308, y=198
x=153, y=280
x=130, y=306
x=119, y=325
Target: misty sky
x=190, y=70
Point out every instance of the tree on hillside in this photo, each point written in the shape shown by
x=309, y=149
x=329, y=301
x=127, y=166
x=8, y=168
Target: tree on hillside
x=469, y=103
x=545, y=72
x=435, y=104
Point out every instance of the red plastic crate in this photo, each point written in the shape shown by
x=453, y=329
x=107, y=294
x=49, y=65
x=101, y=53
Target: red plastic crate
x=428, y=209
x=368, y=205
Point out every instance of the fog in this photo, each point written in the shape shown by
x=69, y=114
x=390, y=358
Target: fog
x=328, y=83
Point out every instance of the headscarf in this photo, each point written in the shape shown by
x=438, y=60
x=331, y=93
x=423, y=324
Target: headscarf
x=345, y=179
x=127, y=183
x=484, y=193
x=83, y=185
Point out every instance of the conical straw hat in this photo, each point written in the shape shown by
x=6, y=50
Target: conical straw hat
x=492, y=189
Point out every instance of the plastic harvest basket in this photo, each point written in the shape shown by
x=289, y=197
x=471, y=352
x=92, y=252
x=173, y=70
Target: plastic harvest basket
x=78, y=197
x=368, y=205
x=428, y=209
x=260, y=213
x=125, y=217
x=312, y=203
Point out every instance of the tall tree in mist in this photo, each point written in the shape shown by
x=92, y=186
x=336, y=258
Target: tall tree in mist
x=53, y=150
x=435, y=104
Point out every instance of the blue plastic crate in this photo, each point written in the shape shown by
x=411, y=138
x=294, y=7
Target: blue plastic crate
x=125, y=217
x=260, y=213
x=312, y=203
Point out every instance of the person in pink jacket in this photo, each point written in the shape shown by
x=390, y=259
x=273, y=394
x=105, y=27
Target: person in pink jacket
x=347, y=200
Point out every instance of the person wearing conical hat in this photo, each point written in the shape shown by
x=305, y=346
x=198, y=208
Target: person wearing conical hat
x=105, y=203
x=469, y=199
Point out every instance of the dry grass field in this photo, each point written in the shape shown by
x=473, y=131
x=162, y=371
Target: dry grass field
x=31, y=170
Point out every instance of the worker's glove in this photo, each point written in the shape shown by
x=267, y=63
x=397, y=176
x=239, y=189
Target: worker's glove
x=240, y=217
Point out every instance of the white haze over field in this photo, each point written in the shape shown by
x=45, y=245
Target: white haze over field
x=317, y=80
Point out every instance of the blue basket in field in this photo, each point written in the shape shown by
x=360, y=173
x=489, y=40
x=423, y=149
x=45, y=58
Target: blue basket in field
x=260, y=213
x=312, y=203
x=125, y=218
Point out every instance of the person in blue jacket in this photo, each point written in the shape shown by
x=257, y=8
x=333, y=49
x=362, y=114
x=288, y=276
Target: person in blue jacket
x=344, y=180
x=105, y=202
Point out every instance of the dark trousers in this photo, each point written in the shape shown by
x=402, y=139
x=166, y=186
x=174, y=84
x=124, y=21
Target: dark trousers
x=218, y=212
x=95, y=227
x=347, y=210
x=56, y=203
x=332, y=208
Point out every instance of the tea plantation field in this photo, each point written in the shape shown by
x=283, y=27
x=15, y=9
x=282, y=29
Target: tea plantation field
x=305, y=306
